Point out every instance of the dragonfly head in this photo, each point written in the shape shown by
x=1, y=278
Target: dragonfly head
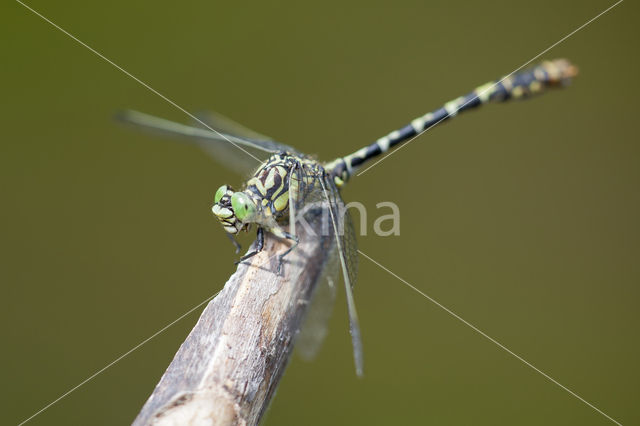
x=235, y=210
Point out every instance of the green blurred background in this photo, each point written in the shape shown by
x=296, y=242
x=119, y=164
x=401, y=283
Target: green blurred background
x=521, y=218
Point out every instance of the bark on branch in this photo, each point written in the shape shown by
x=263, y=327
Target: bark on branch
x=228, y=368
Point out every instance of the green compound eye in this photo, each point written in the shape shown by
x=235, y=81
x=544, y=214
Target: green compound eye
x=242, y=206
x=220, y=193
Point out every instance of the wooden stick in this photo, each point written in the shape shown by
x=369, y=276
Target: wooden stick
x=228, y=368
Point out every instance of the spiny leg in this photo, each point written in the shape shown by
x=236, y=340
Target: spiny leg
x=259, y=246
x=281, y=233
x=234, y=242
x=295, y=240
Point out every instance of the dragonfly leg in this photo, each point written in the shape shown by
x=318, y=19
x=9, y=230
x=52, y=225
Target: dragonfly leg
x=295, y=240
x=258, y=249
x=235, y=243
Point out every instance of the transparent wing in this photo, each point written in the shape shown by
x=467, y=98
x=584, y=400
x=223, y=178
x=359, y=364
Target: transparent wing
x=227, y=126
x=348, y=255
x=322, y=189
x=315, y=325
x=240, y=154
x=350, y=246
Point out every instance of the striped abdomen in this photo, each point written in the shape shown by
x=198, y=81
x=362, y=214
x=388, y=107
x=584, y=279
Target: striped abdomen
x=516, y=86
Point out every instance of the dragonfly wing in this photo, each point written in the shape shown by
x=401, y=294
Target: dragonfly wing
x=315, y=202
x=238, y=153
x=349, y=261
x=348, y=257
x=350, y=246
x=315, y=325
x=227, y=126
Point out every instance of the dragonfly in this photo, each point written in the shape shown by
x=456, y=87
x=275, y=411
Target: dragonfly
x=286, y=180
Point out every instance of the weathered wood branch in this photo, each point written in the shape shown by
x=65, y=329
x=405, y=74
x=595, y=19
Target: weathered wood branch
x=228, y=368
